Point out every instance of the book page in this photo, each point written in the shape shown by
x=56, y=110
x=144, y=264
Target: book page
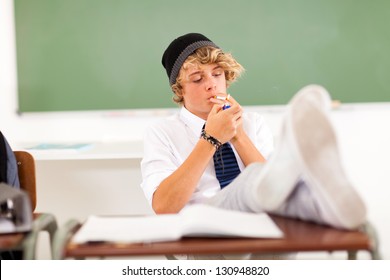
x=6, y=226
x=194, y=220
x=129, y=229
x=204, y=220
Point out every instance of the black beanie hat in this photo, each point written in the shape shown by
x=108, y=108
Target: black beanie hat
x=178, y=51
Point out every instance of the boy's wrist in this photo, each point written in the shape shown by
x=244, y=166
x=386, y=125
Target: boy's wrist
x=212, y=140
x=239, y=138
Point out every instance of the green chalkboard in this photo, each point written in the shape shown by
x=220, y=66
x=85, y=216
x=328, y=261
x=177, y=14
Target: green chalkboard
x=105, y=54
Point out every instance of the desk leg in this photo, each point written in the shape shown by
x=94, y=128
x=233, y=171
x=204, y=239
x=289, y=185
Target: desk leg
x=352, y=255
x=62, y=238
x=44, y=222
x=374, y=240
x=29, y=245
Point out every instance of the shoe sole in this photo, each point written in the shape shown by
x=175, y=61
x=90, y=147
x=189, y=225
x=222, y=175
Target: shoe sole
x=316, y=94
x=317, y=154
x=280, y=175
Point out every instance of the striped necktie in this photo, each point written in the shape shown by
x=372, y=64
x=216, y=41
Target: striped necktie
x=226, y=166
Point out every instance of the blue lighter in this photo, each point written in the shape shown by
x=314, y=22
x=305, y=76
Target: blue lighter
x=226, y=106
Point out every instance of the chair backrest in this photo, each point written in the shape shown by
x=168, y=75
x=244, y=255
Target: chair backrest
x=26, y=170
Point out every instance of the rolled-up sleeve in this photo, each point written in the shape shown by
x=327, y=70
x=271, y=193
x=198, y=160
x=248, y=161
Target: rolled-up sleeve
x=158, y=162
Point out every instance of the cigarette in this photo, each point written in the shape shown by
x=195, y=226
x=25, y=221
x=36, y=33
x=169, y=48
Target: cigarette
x=222, y=97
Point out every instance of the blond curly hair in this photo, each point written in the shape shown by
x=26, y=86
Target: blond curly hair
x=207, y=55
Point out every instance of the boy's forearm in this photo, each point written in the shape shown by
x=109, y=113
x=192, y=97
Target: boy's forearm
x=247, y=150
x=176, y=190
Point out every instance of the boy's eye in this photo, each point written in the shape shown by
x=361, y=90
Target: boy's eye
x=219, y=73
x=196, y=79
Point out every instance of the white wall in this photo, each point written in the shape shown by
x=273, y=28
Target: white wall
x=363, y=131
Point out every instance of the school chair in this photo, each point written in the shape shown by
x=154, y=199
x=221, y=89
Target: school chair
x=26, y=242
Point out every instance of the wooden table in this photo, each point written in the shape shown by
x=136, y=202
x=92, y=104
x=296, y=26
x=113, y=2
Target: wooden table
x=299, y=237
x=26, y=242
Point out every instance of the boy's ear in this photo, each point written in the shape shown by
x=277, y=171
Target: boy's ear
x=180, y=95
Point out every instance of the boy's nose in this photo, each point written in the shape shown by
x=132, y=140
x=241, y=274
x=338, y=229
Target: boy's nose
x=210, y=84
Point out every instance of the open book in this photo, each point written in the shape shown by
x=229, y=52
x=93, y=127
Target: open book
x=194, y=220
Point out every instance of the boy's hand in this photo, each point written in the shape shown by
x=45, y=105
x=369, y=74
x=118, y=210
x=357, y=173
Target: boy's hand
x=224, y=124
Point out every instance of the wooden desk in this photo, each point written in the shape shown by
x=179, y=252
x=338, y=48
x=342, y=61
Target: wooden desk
x=26, y=242
x=299, y=236
x=11, y=241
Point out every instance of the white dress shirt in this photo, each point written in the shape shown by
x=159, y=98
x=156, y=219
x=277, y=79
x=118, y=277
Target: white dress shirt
x=169, y=142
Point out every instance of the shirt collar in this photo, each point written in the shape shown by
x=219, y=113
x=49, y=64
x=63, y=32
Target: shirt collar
x=192, y=121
